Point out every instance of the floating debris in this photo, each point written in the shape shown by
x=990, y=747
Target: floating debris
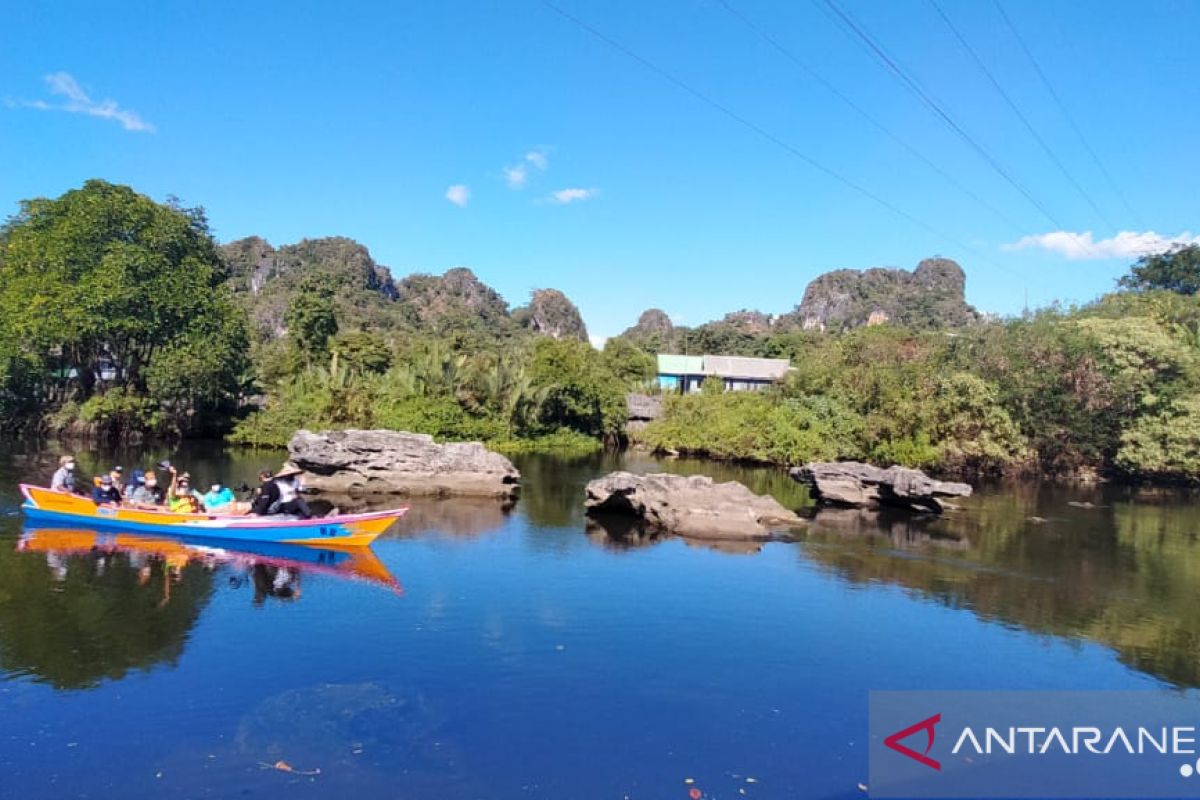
x=284, y=766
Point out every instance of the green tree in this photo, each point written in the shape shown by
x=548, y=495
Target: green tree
x=579, y=392
x=311, y=319
x=1177, y=270
x=628, y=362
x=99, y=283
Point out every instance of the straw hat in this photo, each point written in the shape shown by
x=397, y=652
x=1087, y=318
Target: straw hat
x=289, y=468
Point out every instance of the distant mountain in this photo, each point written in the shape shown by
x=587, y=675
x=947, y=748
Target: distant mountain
x=453, y=301
x=266, y=279
x=457, y=303
x=550, y=313
x=931, y=296
x=654, y=332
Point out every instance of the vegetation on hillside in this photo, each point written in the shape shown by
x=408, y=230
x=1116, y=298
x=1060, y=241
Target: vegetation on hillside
x=121, y=317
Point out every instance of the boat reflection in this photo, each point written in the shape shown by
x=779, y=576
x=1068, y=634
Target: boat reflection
x=274, y=570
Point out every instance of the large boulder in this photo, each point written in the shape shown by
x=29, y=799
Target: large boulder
x=693, y=506
x=641, y=409
x=357, y=463
x=850, y=483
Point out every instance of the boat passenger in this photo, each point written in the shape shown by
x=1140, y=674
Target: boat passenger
x=180, y=497
x=118, y=478
x=138, y=478
x=290, y=501
x=280, y=494
x=106, y=494
x=146, y=491
x=266, y=495
x=218, y=497
x=64, y=477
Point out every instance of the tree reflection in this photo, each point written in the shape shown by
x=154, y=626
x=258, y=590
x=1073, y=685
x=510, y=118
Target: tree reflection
x=72, y=619
x=1124, y=573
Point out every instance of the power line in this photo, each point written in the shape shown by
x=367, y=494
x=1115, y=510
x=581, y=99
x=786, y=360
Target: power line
x=754, y=127
x=1020, y=115
x=910, y=82
x=819, y=78
x=1070, y=119
x=765, y=134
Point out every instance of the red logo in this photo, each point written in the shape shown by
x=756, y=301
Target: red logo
x=893, y=742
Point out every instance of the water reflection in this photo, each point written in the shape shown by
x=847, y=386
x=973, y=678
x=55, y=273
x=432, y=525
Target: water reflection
x=1102, y=565
x=72, y=616
x=78, y=606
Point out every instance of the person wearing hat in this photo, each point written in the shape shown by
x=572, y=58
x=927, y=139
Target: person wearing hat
x=290, y=501
x=106, y=494
x=280, y=494
x=118, y=478
x=146, y=493
x=180, y=497
x=64, y=477
x=136, y=478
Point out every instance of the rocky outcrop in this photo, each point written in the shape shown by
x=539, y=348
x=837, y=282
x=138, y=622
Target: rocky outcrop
x=642, y=409
x=653, y=332
x=439, y=303
x=266, y=280
x=930, y=296
x=693, y=506
x=551, y=313
x=360, y=463
x=850, y=483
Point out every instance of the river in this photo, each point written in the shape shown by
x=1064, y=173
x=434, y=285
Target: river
x=502, y=653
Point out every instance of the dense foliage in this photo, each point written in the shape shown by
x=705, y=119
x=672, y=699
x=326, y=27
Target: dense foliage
x=1107, y=387
x=113, y=310
x=120, y=316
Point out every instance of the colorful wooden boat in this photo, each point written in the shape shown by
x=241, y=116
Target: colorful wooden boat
x=45, y=505
x=344, y=562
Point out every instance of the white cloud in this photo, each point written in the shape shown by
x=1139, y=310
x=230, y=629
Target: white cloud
x=598, y=341
x=458, y=194
x=564, y=196
x=76, y=101
x=1082, y=247
x=517, y=175
x=538, y=159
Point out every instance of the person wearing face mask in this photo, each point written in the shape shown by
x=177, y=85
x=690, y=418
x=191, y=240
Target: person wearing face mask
x=64, y=476
x=180, y=497
x=146, y=492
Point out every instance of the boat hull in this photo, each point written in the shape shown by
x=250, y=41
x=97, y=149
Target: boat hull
x=347, y=530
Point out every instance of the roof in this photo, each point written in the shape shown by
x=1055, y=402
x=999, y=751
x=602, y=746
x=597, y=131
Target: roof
x=761, y=369
x=680, y=365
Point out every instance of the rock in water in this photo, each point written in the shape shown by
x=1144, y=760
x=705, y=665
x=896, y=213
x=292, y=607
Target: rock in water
x=850, y=483
x=357, y=462
x=693, y=506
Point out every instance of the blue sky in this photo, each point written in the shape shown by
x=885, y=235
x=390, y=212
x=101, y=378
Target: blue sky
x=503, y=137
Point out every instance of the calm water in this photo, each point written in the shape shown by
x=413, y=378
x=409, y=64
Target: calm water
x=493, y=653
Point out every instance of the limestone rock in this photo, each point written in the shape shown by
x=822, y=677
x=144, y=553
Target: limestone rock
x=931, y=296
x=359, y=463
x=850, y=483
x=693, y=506
x=551, y=313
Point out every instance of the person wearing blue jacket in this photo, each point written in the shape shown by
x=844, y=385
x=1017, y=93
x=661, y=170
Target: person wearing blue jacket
x=106, y=493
